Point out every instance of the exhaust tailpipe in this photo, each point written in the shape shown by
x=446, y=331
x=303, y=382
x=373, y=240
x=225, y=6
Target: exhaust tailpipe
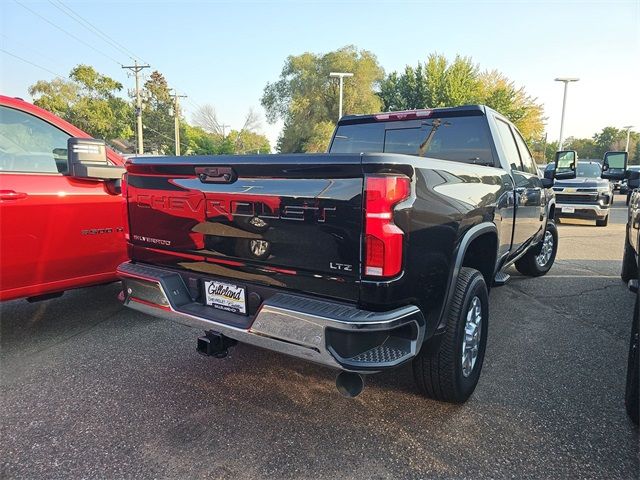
x=349, y=384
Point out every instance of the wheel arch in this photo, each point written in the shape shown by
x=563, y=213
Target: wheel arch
x=479, y=238
x=551, y=211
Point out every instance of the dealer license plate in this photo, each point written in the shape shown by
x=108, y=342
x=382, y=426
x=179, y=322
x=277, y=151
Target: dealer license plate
x=225, y=296
x=568, y=210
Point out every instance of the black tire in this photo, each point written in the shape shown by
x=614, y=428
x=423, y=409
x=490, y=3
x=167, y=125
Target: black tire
x=602, y=223
x=528, y=264
x=629, y=265
x=632, y=391
x=438, y=372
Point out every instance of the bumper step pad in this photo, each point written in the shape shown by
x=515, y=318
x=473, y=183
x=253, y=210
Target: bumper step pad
x=392, y=350
x=501, y=279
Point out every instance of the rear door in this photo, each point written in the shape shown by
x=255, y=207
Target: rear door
x=528, y=198
x=56, y=231
x=295, y=223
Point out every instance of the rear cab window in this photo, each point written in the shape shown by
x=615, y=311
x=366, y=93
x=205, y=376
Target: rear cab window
x=464, y=139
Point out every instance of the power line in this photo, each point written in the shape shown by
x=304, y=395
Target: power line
x=165, y=136
x=68, y=11
x=30, y=62
x=33, y=50
x=68, y=33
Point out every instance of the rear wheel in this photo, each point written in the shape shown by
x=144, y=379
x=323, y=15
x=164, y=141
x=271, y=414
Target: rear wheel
x=539, y=259
x=450, y=372
x=602, y=223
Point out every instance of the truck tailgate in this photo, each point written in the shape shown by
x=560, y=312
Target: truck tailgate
x=288, y=221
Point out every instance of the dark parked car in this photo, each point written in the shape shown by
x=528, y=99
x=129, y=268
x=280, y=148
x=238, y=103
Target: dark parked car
x=630, y=269
x=624, y=187
x=381, y=252
x=585, y=197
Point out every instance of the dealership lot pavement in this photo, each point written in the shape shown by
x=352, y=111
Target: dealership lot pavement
x=93, y=390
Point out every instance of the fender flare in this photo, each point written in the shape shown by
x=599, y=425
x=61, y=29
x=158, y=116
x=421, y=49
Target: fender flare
x=552, y=203
x=471, y=234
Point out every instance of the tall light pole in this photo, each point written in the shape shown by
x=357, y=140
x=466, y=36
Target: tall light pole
x=628, y=129
x=566, y=81
x=340, y=76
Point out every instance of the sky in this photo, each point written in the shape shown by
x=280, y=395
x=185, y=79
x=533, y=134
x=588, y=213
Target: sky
x=224, y=53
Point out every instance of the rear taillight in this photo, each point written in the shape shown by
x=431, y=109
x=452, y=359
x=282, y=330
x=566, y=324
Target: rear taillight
x=383, y=239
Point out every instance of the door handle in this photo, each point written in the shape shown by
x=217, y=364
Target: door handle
x=11, y=195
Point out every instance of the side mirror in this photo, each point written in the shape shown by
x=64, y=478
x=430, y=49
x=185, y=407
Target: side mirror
x=87, y=158
x=633, y=180
x=614, y=165
x=566, y=164
x=547, y=181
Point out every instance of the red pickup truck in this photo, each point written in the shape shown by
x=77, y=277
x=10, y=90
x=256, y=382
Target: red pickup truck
x=58, y=230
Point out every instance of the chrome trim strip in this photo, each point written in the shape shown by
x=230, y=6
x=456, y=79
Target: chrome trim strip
x=581, y=206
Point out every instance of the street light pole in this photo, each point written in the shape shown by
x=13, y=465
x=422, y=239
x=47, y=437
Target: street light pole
x=340, y=76
x=628, y=129
x=566, y=81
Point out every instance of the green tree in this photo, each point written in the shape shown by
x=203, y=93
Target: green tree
x=586, y=147
x=157, y=115
x=88, y=100
x=320, y=137
x=635, y=159
x=440, y=83
x=305, y=95
x=610, y=138
x=550, y=151
x=248, y=142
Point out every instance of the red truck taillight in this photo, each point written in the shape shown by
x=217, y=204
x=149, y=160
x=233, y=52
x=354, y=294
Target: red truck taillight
x=383, y=239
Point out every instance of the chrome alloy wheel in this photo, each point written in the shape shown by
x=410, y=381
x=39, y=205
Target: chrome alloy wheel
x=547, y=249
x=259, y=247
x=471, y=340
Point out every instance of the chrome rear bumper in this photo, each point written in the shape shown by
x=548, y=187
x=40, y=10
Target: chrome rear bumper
x=329, y=333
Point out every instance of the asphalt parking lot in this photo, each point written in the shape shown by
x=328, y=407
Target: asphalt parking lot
x=93, y=390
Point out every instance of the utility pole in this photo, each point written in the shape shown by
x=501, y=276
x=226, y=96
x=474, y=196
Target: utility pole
x=176, y=119
x=224, y=130
x=136, y=70
x=340, y=76
x=628, y=129
x=566, y=81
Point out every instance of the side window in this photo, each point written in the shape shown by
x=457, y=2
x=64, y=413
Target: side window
x=29, y=144
x=509, y=145
x=527, y=160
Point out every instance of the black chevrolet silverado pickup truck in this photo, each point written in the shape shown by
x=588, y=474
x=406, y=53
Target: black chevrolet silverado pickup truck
x=615, y=168
x=380, y=252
